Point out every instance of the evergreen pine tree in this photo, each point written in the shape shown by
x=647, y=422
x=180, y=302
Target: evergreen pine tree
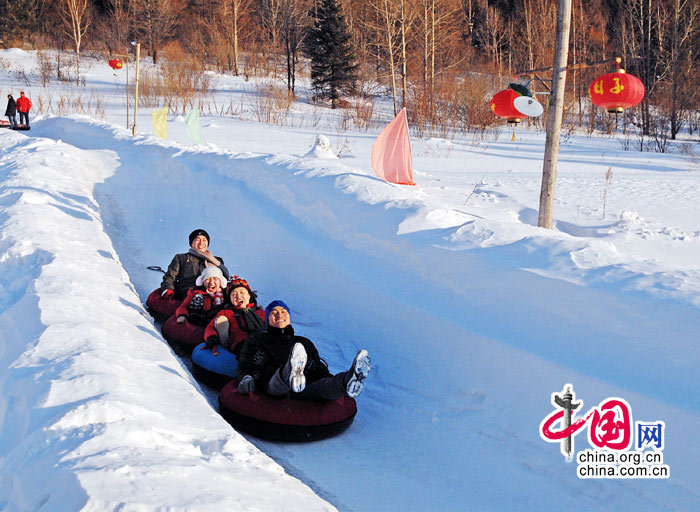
x=330, y=49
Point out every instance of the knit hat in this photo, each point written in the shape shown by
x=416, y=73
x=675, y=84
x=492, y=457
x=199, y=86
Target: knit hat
x=198, y=232
x=208, y=272
x=274, y=304
x=237, y=282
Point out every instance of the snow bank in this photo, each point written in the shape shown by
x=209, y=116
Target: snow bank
x=96, y=412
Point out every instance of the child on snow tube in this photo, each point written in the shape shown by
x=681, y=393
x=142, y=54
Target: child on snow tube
x=237, y=321
x=214, y=363
x=184, y=330
x=204, y=300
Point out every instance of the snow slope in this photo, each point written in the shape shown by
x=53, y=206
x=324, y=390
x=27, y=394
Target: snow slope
x=473, y=317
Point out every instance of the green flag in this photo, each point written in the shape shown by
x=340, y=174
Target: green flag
x=160, y=121
x=192, y=122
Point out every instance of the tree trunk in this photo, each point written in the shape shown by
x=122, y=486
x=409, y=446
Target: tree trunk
x=390, y=48
x=404, y=65
x=235, y=38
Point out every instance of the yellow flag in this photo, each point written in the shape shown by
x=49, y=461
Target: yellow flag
x=160, y=121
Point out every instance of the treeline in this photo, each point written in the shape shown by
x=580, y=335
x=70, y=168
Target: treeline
x=432, y=55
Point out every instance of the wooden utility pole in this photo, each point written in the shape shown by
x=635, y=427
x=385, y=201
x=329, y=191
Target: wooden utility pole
x=555, y=115
x=136, y=90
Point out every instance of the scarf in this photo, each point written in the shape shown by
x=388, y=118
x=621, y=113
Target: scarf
x=247, y=320
x=208, y=256
x=217, y=298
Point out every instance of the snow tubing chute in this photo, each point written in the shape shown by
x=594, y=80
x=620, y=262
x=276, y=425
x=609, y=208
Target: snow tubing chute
x=183, y=337
x=161, y=308
x=285, y=419
x=214, y=371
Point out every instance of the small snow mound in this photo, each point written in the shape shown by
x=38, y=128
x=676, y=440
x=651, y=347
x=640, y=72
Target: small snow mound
x=179, y=119
x=630, y=216
x=322, y=148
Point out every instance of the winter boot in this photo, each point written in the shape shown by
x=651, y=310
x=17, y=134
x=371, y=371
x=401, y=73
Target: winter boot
x=361, y=366
x=295, y=368
x=221, y=326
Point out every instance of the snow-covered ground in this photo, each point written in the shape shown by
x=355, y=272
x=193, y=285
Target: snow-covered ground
x=473, y=315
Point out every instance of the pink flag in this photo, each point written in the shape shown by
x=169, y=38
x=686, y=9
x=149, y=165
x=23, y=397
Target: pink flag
x=391, y=152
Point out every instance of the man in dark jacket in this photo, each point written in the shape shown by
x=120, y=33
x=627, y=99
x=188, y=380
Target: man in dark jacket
x=11, y=111
x=280, y=363
x=185, y=268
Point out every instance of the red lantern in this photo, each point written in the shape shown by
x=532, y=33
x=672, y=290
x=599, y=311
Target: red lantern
x=502, y=105
x=115, y=64
x=616, y=91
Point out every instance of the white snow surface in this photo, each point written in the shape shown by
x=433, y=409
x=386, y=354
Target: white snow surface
x=472, y=314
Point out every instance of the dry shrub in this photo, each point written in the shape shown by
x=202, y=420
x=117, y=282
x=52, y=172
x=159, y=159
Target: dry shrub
x=149, y=89
x=362, y=113
x=271, y=103
x=173, y=52
x=71, y=102
x=45, y=66
x=179, y=84
x=457, y=107
x=259, y=61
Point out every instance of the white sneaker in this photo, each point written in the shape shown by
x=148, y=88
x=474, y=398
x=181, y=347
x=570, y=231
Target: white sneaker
x=361, y=366
x=221, y=327
x=297, y=361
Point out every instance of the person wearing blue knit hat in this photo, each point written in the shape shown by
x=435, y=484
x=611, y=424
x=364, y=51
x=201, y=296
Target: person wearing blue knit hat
x=280, y=363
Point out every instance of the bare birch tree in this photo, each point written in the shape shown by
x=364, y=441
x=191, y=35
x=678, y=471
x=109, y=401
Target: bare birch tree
x=230, y=13
x=76, y=19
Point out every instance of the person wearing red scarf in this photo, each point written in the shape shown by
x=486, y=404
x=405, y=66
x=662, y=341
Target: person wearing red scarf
x=232, y=325
x=204, y=299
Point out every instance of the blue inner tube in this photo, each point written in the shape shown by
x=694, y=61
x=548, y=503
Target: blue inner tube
x=214, y=371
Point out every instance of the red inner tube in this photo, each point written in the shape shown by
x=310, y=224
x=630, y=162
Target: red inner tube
x=285, y=419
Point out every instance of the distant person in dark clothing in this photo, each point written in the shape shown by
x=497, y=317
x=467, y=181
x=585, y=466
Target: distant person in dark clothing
x=23, y=106
x=280, y=363
x=11, y=111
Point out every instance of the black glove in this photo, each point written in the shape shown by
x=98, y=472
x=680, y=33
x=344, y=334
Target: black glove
x=196, y=305
x=212, y=341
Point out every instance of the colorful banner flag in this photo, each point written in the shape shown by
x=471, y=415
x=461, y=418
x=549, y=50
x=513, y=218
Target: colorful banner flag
x=391, y=152
x=192, y=123
x=160, y=122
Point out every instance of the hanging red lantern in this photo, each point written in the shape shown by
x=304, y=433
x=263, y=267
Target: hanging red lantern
x=616, y=91
x=115, y=64
x=502, y=106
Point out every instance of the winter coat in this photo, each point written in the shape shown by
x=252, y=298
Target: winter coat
x=23, y=104
x=264, y=352
x=198, y=316
x=183, y=272
x=11, y=108
x=238, y=331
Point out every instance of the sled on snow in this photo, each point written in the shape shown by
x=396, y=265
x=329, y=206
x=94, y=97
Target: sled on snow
x=285, y=419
